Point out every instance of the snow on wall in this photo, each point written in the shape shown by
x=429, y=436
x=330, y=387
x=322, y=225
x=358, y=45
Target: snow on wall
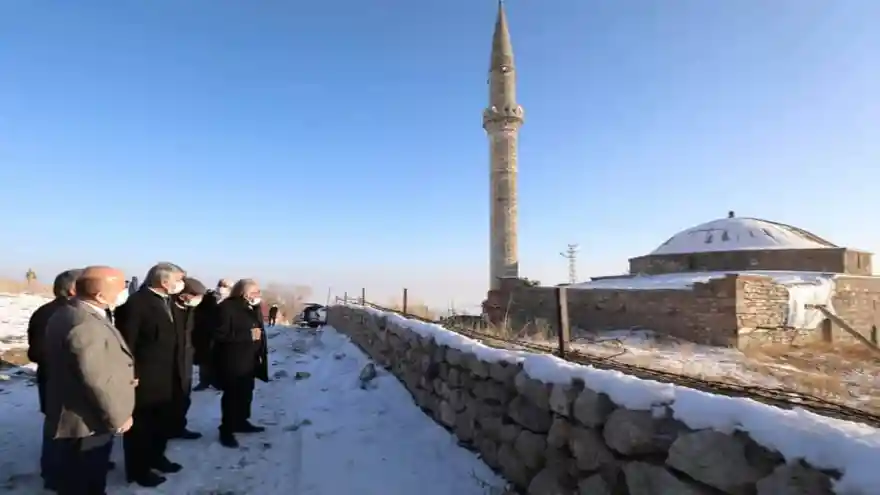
x=739, y=234
x=685, y=281
x=803, y=288
x=821, y=292
x=825, y=443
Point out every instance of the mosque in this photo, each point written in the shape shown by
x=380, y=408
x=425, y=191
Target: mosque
x=734, y=281
x=730, y=281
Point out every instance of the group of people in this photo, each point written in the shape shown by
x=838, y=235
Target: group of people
x=114, y=358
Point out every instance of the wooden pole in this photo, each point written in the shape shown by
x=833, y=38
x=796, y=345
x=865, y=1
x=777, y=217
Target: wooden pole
x=405, y=297
x=845, y=326
x=564, y=331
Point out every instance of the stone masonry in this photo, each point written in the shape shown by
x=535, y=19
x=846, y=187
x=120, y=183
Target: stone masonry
x=566, y=439
x=736, y=310
x=502, y=121
x=837, y=260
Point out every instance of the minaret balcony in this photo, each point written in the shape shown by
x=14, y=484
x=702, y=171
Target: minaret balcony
x=512, y=115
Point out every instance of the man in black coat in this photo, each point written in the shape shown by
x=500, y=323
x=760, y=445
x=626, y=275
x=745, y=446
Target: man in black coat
x=273, y=314
x=206, y=320
x=64, y=288
x=184, y=307
x=238, y=351
x=146, y=321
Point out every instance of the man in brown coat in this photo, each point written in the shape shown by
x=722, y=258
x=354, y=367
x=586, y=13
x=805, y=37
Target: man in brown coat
x=90, y=387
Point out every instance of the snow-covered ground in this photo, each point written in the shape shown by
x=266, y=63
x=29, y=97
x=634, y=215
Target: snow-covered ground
x=849, y=375
x=325, y=435
x=15, y=310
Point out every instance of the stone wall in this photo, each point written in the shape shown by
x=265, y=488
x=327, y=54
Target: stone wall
x=567, y=439
x=833, y=260
x=857, y=301
x=711, y=313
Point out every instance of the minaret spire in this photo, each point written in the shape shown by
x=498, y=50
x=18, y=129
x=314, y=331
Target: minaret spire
x=502, y=49
x=502, y=120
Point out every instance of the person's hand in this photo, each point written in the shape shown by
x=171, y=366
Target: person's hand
x=255, y=334
x=135, y=382
x=125, y=426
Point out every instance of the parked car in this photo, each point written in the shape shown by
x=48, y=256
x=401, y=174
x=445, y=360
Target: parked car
x=313, y=316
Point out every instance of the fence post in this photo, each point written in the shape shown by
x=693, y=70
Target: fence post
x=345, y=298
x=363, y=296
x=405, y=294
x=563, y=329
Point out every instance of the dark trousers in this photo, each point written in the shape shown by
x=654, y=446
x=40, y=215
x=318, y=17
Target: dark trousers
x=206, y=373
x=235, y=404
x=83, y=464
x=48, y=457
x=179, y=409
x=272, y=320
x=147, y=439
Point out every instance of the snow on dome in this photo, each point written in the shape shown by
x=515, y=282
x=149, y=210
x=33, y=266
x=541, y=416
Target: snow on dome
x=741, y=234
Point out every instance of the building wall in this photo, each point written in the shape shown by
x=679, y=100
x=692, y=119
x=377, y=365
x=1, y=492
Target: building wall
x=817, y=260
x=857, y=300
x=736, y=310
x=708, y=314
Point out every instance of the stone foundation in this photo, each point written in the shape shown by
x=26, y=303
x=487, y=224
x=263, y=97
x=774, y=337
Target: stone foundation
x=567, y=439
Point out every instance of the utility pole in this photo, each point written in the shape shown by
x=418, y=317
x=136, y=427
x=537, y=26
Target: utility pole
x=571, y=254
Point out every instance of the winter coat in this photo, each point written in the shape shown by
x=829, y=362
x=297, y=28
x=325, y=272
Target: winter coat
x=146, y=322
x=236, y=355
x=36, y=335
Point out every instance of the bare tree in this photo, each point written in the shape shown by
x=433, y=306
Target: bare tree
x=289, y=298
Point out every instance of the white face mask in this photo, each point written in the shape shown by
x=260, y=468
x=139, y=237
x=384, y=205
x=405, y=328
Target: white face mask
x=120, y=300
x=177, y=288
x=223, y=292
x=255, y=301
x=194, y=302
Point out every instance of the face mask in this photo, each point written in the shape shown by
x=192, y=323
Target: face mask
x=223, y=292
x=255, y=301
x=120, y=300
x=194, y=302
x=177, y=288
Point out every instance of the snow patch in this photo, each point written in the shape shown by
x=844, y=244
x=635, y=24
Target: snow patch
x=824, y=443
x=685, y=281
x=819, y=292
x=15, y=311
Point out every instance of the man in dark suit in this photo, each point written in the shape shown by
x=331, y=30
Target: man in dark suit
x=206, y=321
x=185, y=304
x=63, y=288
x=147, y=323
x=273, y=314
x=90, y=386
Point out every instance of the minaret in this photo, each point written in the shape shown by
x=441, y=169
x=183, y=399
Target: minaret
x=502, y=121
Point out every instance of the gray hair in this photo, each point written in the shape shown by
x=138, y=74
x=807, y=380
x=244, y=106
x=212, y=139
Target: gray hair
x=65, y=281
x=162, y=272
x=241, y=286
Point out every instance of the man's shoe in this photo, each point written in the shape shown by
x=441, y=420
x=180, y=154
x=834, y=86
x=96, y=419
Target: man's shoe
x=111, y=466
x=228, y=440
x=247, y=427
x=166, y=466
x=187, y=435
x=148, y=480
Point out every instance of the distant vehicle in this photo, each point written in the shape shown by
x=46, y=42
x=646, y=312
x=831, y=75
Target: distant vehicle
x=313, y=316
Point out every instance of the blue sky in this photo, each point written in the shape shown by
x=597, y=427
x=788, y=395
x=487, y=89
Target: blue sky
x=339, y=144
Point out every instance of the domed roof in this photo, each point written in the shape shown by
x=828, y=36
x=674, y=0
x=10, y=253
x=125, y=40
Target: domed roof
x=741, y=234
